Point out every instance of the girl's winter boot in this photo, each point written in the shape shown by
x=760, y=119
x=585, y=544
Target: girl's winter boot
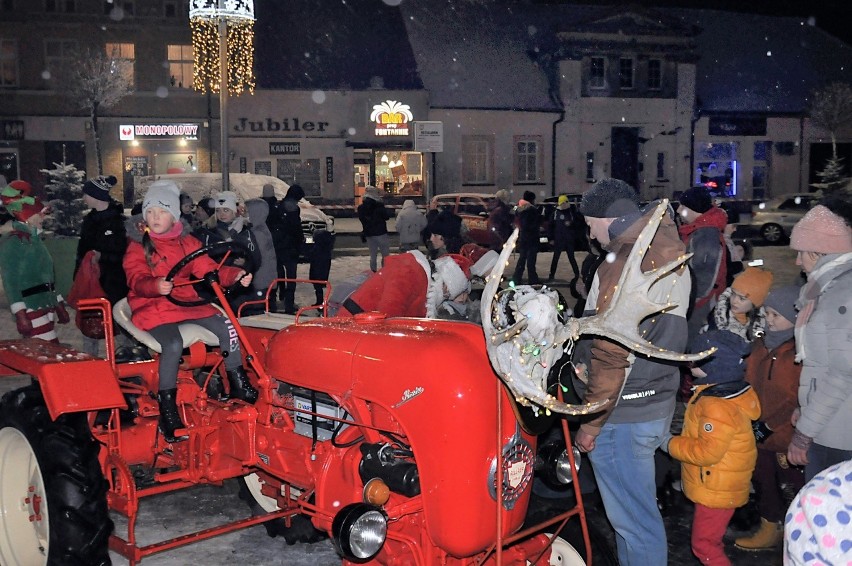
x=767, y=537
x=241, y=387
x=169, y=416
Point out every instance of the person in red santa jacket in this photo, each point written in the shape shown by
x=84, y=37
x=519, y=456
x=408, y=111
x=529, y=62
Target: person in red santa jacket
x=410, y=284
x=151, y=254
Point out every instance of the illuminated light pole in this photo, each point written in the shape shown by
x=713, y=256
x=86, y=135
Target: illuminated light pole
x=223, y=46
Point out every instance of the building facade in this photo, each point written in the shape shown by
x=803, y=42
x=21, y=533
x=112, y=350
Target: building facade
x=527, y=96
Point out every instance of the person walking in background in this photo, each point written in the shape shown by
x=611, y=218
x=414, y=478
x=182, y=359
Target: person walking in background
x=374, y=224
x=290, y=242
x=717, y=445
x=621, y=440
x=562, y=235
x=772, y=372
x=823, y=240
x=702, y=230
x=499, y=219
x=320, y=262
x=104, y=233
x=267, y=271
x=410, y=222
x=528, y=219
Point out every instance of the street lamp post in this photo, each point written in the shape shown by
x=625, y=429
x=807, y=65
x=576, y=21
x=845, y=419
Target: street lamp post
x=223, y=46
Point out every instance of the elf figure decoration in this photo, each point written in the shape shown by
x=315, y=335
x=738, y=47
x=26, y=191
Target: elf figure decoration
x=26, y=266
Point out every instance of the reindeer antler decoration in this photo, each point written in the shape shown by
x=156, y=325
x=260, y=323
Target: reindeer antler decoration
x=524, y=336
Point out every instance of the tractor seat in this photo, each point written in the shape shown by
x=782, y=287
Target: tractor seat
x=190, y=333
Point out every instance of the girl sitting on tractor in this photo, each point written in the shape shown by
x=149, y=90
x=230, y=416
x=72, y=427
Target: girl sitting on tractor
x=152, y=252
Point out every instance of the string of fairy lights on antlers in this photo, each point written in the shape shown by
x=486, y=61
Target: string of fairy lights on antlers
x=204, y=18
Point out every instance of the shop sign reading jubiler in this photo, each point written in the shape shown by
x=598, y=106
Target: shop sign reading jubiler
x=129, y=132
x=391, y=118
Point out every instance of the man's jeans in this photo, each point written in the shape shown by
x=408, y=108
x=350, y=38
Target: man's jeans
x=623, y=461
x=378, y=244
x=821, y=457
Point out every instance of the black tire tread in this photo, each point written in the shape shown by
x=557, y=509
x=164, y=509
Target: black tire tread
x=80, y=525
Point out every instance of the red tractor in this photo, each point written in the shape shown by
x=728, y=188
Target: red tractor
x=392, y=436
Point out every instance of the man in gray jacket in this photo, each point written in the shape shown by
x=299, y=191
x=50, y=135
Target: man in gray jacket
x=409, y=224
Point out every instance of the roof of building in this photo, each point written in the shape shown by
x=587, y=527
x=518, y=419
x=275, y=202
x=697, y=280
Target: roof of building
x=766, y=64
x=355, y=45
x=475, y=54
x=494, y=55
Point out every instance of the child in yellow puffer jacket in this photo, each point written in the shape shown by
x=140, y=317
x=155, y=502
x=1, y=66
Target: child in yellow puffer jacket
x=717, y=448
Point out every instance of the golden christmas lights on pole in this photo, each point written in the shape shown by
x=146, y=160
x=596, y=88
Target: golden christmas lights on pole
x=205, y=17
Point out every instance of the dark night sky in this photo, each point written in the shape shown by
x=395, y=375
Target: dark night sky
x=833, y=16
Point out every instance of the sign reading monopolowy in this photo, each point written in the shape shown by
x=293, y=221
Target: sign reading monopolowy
x=129, y=132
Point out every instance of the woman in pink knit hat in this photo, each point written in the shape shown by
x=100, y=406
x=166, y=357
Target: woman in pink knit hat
x=823, y=240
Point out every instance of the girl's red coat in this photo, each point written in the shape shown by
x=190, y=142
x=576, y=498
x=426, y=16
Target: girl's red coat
x=150, y=308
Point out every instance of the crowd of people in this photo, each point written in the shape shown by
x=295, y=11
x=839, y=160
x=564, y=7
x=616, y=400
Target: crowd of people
x=767, y=411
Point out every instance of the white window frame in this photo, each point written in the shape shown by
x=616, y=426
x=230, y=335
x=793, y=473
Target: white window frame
x=621, y=75
x=659, y=77
x=9, y=63
x=593, y=83
x=184, y=64
x=527, y=159
x=477, y=160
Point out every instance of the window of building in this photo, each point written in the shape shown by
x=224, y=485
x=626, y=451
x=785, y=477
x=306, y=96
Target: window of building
x=126, y=53
x=304, y=172
x=661, y=166
x=477, y=160
x=590, y=165
x=7, y=5
x=527, y=159
x=8, y=63
x=62, y=6
x=597, y=72
x=58, y=55
x=655, y=74
x=176, y=9
x=625, y=72
x=758, y=176
x=180, y=65
x=761, y=150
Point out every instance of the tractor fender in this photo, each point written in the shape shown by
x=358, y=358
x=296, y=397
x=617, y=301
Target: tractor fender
x=70, y=381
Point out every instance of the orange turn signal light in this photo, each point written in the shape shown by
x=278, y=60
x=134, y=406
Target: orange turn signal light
x=376, y=492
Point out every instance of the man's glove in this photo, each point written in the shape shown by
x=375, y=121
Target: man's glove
x=25, y=325
x=62, y=313
x=761, y=431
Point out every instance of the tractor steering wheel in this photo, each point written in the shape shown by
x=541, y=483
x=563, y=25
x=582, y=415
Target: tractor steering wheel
x=228, y=247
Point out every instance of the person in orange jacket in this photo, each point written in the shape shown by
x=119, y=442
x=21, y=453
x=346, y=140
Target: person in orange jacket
x=717, y=447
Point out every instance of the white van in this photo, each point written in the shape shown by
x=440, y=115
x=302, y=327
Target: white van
x=247, y=186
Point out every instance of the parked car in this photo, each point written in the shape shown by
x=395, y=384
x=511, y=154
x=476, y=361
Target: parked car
x=247, y=186
x=473, y=210
x=774, y=219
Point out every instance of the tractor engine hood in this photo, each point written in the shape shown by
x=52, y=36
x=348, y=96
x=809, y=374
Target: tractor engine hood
x=435, y=379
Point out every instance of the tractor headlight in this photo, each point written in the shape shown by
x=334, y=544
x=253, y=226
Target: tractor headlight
x=562, y=466
x=359, y=531
x=553, y=465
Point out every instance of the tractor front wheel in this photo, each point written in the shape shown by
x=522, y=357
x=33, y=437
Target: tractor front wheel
x=52, y=492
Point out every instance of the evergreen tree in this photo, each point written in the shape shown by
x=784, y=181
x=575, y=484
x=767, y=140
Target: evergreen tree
x=64, y=194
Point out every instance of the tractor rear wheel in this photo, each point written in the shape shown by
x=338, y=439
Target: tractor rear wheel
x=301, y=528
x=52, y=491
